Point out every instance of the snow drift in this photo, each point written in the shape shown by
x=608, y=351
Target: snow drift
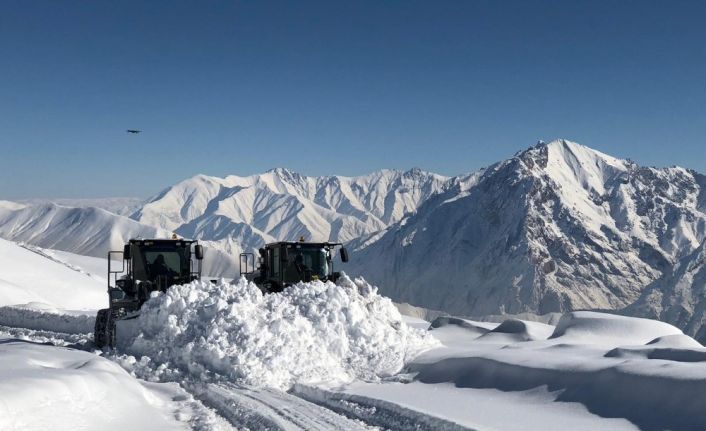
x=312, y=333
x=643, y=370
x=591, y=327
x=46, y=387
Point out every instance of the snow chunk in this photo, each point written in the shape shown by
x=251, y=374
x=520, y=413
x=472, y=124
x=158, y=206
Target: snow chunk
x=310, y=333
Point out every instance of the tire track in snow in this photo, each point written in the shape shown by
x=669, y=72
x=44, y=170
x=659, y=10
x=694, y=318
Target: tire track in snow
x=383, y=414
x=191, y=410
x=270, y=409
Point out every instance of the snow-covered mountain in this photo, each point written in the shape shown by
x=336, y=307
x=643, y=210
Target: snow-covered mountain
x=88, y=231
x=679, y=297
x=557, y=227
x=243, y=213
x=229, y=215
x=120, y=206
x=31, y=277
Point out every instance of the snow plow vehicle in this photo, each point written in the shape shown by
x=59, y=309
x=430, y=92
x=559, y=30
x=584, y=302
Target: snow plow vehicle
x=148, y=265
x=284, y=263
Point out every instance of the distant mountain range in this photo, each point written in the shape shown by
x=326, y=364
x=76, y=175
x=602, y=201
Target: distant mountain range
x=558, y=226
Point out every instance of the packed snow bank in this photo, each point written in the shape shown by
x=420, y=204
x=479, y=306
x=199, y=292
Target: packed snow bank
x=47, y=387
x=45, y=317
x=311, y=333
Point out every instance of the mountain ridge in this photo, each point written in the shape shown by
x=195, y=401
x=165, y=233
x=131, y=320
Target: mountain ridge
x=558, y=226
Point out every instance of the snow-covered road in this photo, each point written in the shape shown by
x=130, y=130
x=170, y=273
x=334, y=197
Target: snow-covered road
x=226, y=405
x=194, y=404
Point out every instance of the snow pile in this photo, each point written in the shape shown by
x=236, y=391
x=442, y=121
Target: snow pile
x=311, y=333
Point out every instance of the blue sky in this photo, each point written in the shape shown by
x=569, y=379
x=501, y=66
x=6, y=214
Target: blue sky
x=238, y=87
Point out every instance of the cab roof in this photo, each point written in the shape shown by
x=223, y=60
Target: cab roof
x=151, y=241
x=304, y=243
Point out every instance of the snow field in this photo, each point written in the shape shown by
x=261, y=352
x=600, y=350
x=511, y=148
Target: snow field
x=643, y=370
x=312, y=333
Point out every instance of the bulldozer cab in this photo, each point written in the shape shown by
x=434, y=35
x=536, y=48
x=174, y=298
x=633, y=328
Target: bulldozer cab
x=140, y=268
x=283, y=264
x=151, y=265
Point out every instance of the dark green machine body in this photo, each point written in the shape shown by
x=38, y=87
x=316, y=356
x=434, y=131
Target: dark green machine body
x=147, y=265
x=282, y=264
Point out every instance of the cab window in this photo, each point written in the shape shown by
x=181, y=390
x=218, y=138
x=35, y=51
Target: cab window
x=275, y=264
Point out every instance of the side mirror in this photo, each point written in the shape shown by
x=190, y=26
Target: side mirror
x=247, y=263
x=126, y=252
x=198, y=251
x=344, y=255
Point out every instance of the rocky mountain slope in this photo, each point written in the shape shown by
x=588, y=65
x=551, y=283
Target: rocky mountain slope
x=557, y=227
x=679, y=297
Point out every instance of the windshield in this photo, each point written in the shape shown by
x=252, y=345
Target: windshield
x=316, y=260
x=168, y=262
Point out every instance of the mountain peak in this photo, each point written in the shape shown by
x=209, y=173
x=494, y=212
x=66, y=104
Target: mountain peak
x=565, y=160
x=279, y=171
x=569, y=150
x=415, y=172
